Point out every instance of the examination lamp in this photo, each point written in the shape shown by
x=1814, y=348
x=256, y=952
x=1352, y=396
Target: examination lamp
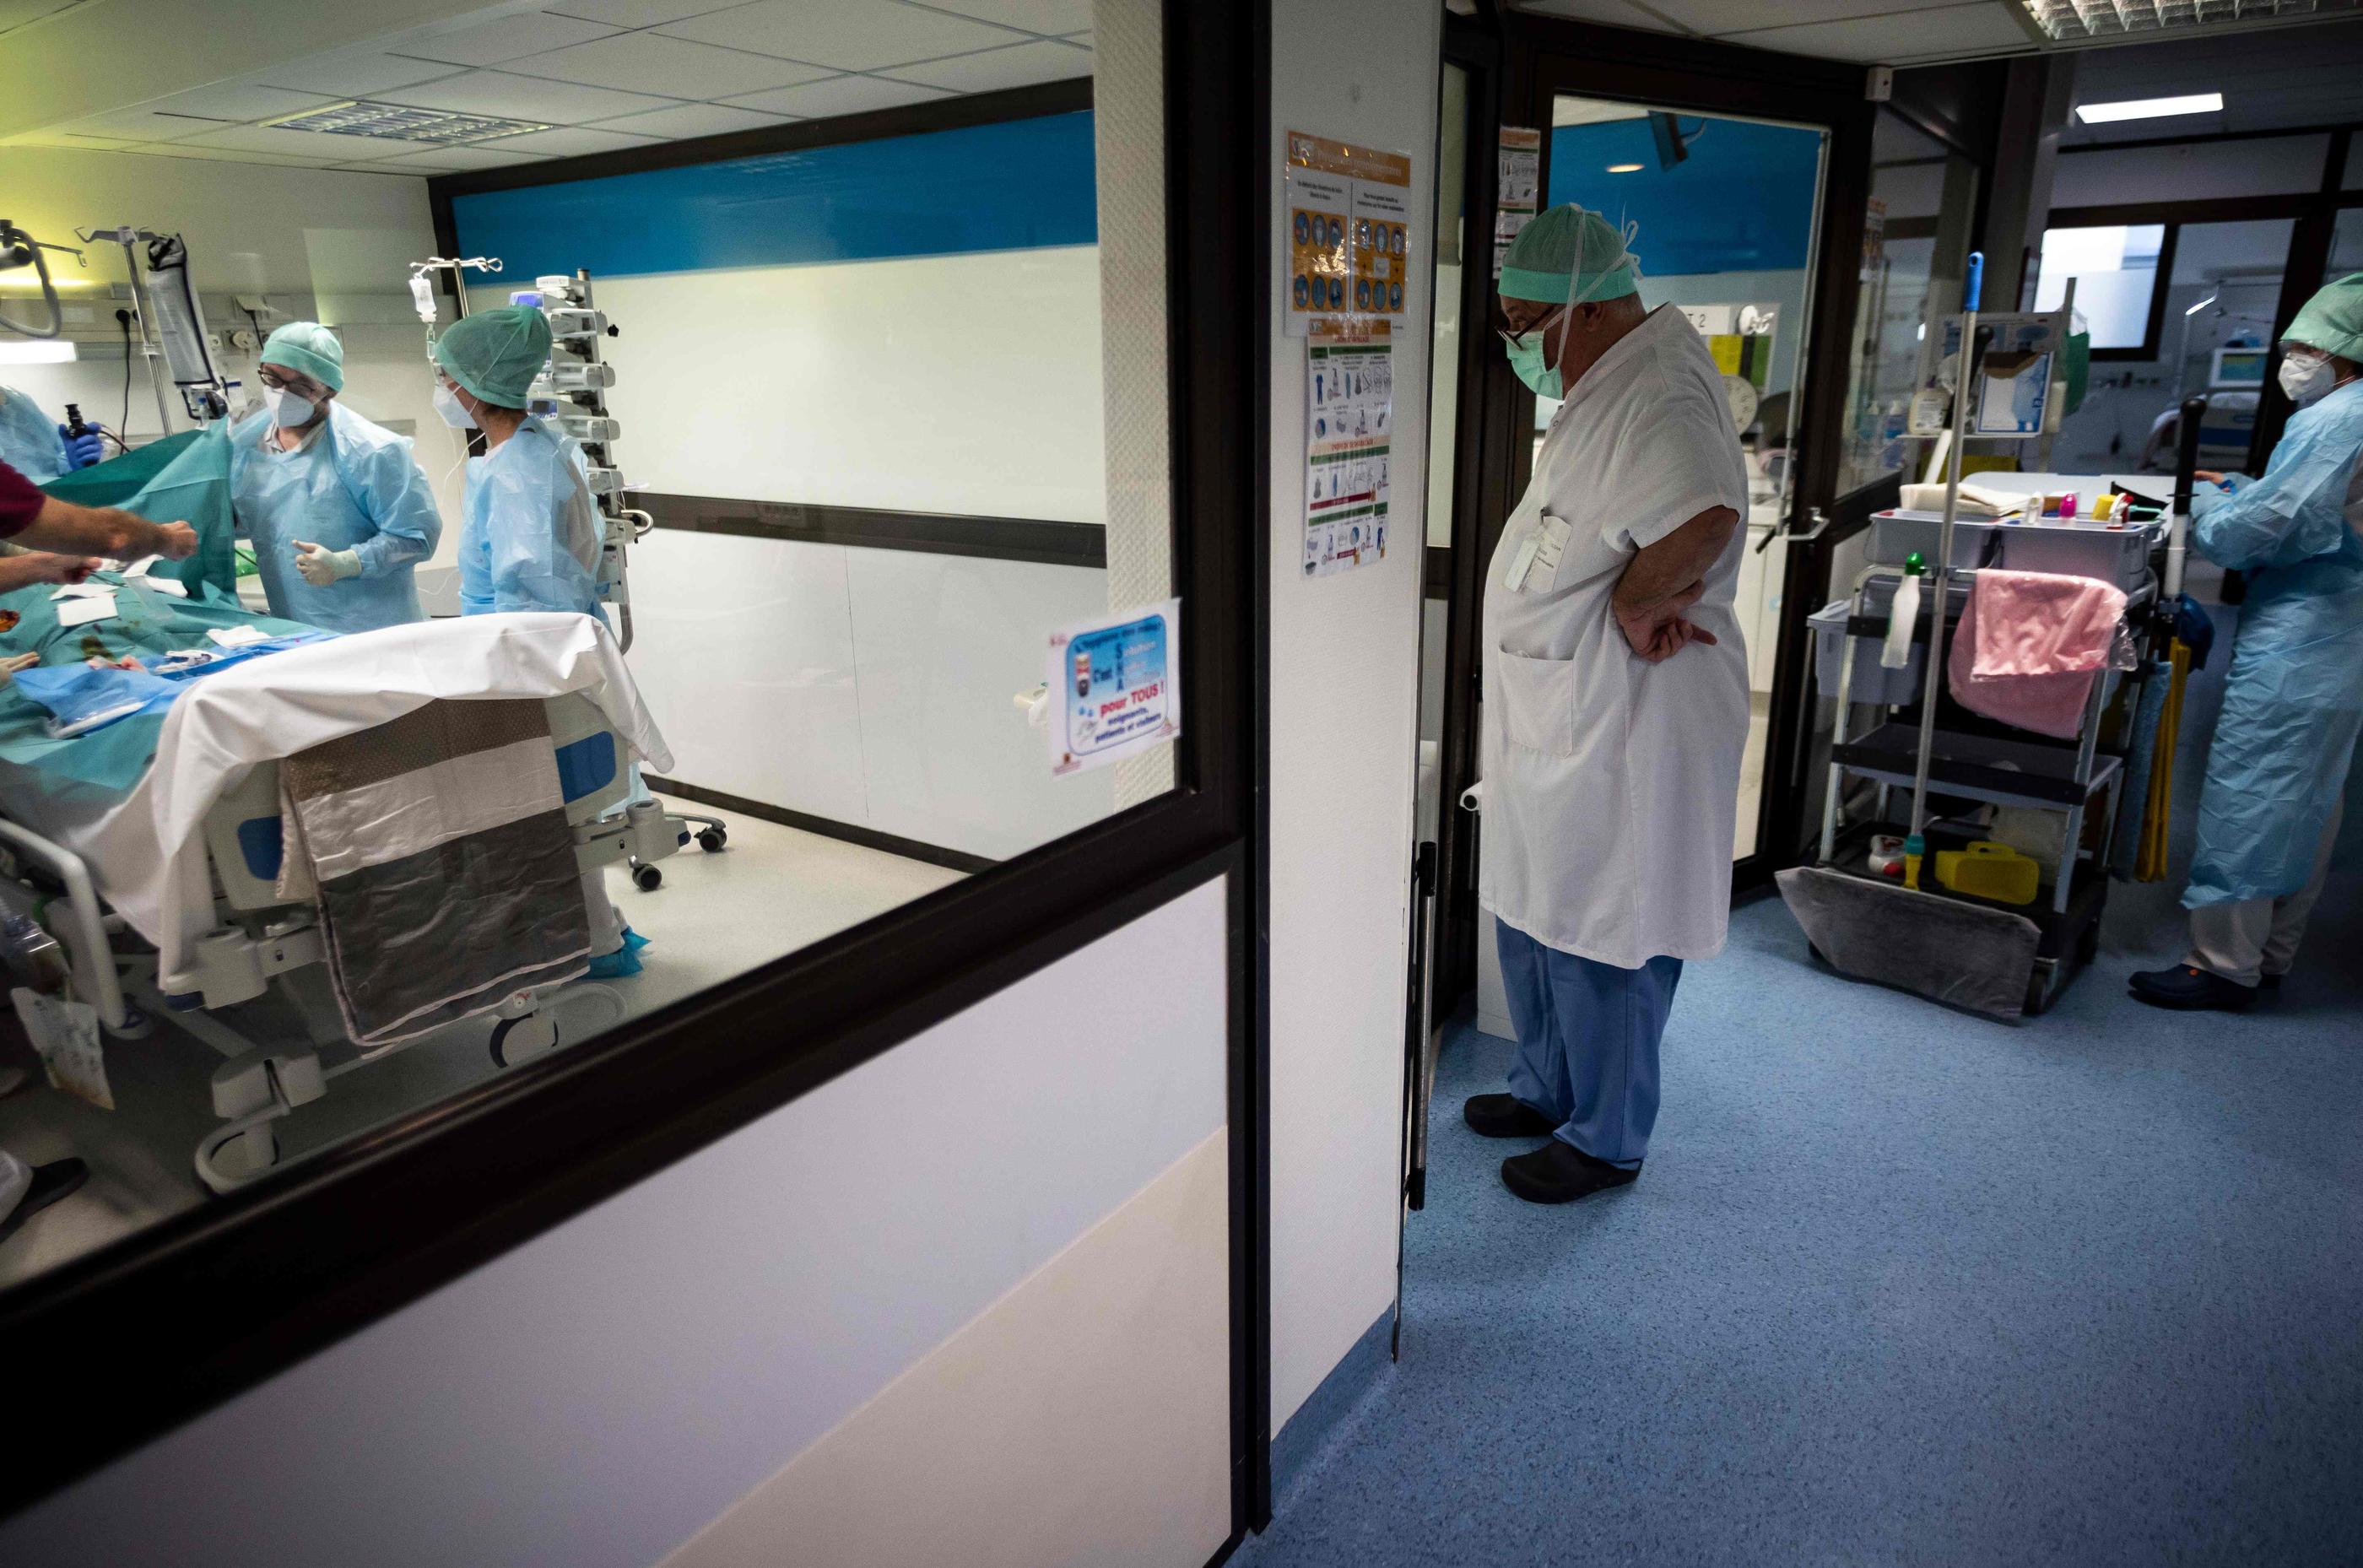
x=2150, y=109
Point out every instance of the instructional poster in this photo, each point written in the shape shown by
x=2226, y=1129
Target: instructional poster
x=1518, y=186
x=1348, y=432
x=1114, y=687
x=1349, y=231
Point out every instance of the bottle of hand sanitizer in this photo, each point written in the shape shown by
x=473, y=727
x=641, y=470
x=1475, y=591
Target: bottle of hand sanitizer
x=1903, y=614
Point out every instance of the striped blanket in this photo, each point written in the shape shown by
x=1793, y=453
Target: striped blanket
x=436, y=847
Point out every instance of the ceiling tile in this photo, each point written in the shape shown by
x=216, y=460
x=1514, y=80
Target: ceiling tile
x=686, y=120
x=1615, y=13
x=638, y=13
x=291, y=143
x=574, y=141
x=448, y=160
x=505, y=38
x=141, y=125
x=850, y=38
x=1048, y=17
x=524, y=98
x=231, y=101
x=839, y=95
x=1020, y=66
x=229, y=155
x=68, y=140
x=1947, y=30
x=676, y=67
x=1081, y=39
x=353, y=73
x=1716, y=16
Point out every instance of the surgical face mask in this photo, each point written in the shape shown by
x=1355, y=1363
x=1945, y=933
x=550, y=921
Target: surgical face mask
x=455, y=413
x=2306, y=375
x=1527, y=358
x=289, y=411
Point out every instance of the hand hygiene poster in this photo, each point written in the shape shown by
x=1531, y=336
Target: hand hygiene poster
x=1348, y=232
x=1114, y=687
x=1349, y=395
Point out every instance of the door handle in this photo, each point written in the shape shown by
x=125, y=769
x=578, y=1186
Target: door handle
x=1821, y=526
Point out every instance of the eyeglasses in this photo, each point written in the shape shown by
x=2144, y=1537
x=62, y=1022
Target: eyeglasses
x=301, y=386
x=1514, y=334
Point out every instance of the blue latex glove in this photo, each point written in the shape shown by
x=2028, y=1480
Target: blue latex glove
x=84, y=451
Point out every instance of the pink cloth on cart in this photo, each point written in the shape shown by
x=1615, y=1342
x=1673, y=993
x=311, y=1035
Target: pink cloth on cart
x=2031, y=644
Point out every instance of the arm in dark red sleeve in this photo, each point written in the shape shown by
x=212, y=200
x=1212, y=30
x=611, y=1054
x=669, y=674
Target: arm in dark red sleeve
x=20, y=501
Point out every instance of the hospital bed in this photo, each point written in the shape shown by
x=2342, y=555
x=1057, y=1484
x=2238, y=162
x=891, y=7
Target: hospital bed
x=206, y=957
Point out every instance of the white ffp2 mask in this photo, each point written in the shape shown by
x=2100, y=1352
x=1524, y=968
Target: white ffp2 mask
x=455, y=413
x=290, y=412
x=2306, y=376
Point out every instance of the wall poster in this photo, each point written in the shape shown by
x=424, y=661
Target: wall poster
x=1349, y=434
x=1349, y=227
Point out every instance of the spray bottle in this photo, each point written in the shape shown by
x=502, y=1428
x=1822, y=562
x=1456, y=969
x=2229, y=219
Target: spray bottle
x=1903, y=614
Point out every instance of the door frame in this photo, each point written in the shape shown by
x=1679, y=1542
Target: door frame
x=1539, y=59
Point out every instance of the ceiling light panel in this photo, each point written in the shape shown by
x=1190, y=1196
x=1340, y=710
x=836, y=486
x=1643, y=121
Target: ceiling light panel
x=2151, y=109
x=2070, y=21
x=400, y=122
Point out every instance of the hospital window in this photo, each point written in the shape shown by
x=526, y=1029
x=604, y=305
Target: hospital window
x=828, y=570
x=2116, y=268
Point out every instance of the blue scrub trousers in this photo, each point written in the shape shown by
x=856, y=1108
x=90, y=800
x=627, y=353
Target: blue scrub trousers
x=1588, y=1038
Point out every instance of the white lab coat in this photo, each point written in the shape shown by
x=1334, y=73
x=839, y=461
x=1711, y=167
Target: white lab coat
x=1611, y=784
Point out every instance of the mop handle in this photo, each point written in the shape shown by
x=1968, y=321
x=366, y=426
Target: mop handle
x=1940, y=569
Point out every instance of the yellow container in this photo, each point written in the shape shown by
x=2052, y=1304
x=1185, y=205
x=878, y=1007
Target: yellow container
x=1988, y=870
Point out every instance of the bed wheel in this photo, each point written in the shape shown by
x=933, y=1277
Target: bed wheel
x=647, y=878
x=711, y=839
x=517, y=1039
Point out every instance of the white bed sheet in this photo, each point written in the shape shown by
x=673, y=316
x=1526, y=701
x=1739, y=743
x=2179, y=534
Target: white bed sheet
x=146, y=849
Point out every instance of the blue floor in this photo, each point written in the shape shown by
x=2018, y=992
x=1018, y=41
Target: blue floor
x=1898, y=1284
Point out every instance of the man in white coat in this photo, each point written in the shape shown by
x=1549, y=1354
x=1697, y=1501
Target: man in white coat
x=1615, y=704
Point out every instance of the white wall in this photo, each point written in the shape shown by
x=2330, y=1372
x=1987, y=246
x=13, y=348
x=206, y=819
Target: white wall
x=1344, y=663
x=927, y=384
x=303, y=239
x=870, y=686
x=965, y=1304
x=2188, y=173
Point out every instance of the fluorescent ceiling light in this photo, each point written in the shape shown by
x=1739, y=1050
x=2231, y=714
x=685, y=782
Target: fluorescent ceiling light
x=36, y=352
x=2150, y=109
x=399, y=122
x=2081, y=21
x=1624, y=168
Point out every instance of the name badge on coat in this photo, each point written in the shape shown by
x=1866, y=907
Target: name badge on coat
x=1534, y=567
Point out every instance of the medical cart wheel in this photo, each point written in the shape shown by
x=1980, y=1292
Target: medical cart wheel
x=647, y=878
x=711, y=839
x=519, y=1039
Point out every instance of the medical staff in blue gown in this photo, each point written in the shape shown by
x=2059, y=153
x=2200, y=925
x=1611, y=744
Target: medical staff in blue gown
x=39, y=447
x=531, y=536
x=337, y=508
x=2293, y=702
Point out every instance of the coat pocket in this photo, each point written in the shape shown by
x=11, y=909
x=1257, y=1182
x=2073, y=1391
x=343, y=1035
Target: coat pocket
x=1538, y=703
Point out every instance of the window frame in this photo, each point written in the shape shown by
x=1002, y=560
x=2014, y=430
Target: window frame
x=260, y=1279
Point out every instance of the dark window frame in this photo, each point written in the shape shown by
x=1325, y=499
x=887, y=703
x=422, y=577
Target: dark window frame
x=264, y=1278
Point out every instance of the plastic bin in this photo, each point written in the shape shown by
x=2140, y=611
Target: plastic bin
x=1873, y=681
x=2072, y=550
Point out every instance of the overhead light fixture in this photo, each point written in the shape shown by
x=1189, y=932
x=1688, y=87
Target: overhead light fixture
x=2081, y=21
x=2150, y=109
x=37, y=351
x=400, y=122
x=1624, y=168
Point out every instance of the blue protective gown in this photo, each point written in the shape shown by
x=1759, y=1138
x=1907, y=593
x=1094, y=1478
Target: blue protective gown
x=530, y=541
x=353, y=487
x=30, y=443
x=2293, y=701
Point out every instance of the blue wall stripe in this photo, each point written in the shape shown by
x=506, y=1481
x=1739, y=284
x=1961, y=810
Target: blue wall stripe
x=1742, y=201
x=1013, y=185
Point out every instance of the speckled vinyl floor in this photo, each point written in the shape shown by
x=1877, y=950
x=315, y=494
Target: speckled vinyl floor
x=1899, y=1285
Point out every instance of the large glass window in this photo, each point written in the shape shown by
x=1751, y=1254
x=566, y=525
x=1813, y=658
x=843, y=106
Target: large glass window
x=1915, y=245
x=731, y=614
x=2115, y=268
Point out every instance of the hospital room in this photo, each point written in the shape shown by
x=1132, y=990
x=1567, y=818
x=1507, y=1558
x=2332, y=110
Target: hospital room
x=744, y=642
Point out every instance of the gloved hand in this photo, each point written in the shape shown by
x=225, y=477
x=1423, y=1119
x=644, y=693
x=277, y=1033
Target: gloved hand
x=321, y=567
x=84, y=450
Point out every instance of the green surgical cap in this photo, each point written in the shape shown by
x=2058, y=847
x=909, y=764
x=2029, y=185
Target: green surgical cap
x=1566, y=252
x=2333, y=319
x=308, y=346
x=496, y=354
